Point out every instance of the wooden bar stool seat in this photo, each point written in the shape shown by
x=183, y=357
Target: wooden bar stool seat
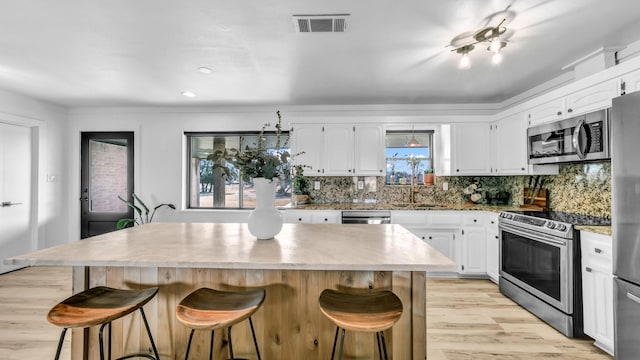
x=367, y=312
x=100, y=306
x=209, y=309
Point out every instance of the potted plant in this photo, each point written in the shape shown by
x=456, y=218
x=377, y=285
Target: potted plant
x=142, y=218
x=299, y=186
x=428, y=177
x=264, y=167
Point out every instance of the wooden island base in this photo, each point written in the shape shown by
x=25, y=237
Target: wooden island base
x=288, y=326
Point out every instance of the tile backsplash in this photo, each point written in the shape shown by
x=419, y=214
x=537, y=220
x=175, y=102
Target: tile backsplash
x=578, y=188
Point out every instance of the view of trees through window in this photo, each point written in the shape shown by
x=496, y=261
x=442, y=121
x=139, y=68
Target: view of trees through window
x=209, y=188
x=405, y=161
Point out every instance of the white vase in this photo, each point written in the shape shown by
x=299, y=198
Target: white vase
x=265, y=221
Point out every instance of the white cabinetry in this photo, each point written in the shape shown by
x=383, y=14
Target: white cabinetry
x=306, y=140
x=337, y=149
x=630, y=82
x=369, y=149
x=340, y=149
x=580, y=102
x=547, y=112
x=509, y=148
x=493, y=247
x=472, y=249
x=471, y=149
x=597, y=288
x=312, y=216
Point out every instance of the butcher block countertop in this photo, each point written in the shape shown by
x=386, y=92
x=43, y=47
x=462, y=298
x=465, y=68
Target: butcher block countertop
x=231, y=246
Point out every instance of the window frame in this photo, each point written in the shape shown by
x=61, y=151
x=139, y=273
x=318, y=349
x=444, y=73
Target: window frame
x=189, y=135
x=431, y=133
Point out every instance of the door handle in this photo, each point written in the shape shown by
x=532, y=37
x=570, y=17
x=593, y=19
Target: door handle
x=633, y=297
x=84, y=198
x=8, y=204
x=576, y=139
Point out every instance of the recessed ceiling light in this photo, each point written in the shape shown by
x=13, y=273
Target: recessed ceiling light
x=188, y=93
x=205, y=70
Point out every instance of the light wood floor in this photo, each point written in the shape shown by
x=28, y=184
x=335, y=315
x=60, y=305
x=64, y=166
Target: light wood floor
x=466, y=319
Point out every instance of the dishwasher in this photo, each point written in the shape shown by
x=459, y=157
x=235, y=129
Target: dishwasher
x=366, y=217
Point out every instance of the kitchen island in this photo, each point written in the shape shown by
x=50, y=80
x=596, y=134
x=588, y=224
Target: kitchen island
x=294, y=268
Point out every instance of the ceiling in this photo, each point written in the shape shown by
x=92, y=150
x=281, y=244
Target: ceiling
x=80, y=53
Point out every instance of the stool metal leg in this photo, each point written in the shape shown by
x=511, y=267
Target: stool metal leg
x=379, y=348
x=335, y=340
x=211, y=345
x=230, y=344
x=384, y=345
x=186, y=357
x=101, y=339
x=255, y=341
x=146, y=325
x=64, y=331
x=341, y=344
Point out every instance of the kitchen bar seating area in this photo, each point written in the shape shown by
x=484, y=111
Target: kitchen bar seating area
x=293, y=268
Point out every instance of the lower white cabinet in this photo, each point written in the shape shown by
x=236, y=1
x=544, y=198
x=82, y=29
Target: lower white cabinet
x=472, y=248
x=493, y=247
x=312, y=216
x=597, y=288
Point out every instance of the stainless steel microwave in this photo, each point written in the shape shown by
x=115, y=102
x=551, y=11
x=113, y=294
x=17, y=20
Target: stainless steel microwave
x=581, y=138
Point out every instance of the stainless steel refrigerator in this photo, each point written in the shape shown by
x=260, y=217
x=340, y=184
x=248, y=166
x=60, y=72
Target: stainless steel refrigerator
x=625, y=164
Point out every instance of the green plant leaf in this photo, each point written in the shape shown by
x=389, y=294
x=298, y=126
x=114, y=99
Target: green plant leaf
x=123, y=223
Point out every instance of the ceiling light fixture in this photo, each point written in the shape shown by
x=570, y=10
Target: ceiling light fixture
x=413, y=142
x=489, y=35
x=205, y=70
x=188, y=93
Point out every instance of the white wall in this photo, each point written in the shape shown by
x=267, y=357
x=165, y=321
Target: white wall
x=49, y=124
x=160, y=149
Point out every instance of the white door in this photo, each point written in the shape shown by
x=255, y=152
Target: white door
x=15, y=192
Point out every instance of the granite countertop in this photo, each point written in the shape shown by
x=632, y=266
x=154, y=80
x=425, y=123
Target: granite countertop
x=402, y=206
x=604, y=230
x=231, y=246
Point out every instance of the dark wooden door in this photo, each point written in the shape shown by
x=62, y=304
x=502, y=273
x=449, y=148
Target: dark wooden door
x=106, y=173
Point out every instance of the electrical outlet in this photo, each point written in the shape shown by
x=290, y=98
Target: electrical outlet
x=360, y=185
x=316, y=185
x=445, y=186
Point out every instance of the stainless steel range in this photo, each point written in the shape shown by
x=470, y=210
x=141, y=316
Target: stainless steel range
x=540, y=265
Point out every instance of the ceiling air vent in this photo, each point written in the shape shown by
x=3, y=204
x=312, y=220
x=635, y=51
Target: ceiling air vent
x=320, y=23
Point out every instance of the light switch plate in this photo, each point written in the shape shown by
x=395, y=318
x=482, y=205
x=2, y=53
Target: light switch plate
x=445, y=186
x=360, y=184
x=316, y=185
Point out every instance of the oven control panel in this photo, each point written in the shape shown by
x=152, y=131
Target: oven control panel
x=540, y=224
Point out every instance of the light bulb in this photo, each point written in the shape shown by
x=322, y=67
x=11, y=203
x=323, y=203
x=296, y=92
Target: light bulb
x=496, y=58
x=496, y=45
x=465, y=61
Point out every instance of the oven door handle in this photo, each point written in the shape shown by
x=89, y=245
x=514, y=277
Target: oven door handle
x=536, y=237
x=576, y=139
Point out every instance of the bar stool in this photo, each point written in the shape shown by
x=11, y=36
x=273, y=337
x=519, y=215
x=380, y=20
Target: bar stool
x=368, y=312
x=209, y=309
x=100, y=306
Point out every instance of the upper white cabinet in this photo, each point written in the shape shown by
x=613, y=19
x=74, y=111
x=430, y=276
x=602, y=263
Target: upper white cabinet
x=511, y=145
x=471, y=149
x=547, y=112
x=369, y=150
x=337, y=149
x=307, y=139
x=630, y=82
x=509, y=149
x=340, y=149
x=592, y=98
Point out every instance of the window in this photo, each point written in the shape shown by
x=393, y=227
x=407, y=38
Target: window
x=209, y=189
x=405, y=161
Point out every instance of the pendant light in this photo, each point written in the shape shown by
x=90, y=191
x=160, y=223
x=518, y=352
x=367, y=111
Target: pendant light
x=413, y=142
